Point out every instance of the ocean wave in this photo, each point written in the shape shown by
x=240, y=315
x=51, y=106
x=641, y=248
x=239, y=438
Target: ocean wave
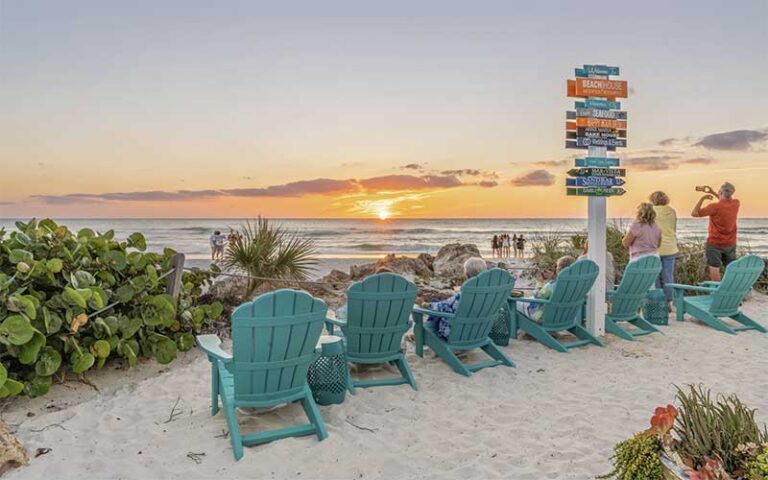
x=377, y=247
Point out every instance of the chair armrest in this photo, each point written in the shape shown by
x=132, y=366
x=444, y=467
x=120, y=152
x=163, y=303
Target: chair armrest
x=541, y=301
x=211, y=345
x=691, y=288
x=709, y=283
x=330, y=322
x=432, y=313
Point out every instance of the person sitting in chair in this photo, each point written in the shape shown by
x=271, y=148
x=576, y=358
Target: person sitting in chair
x=442, y=326
x=534, y=310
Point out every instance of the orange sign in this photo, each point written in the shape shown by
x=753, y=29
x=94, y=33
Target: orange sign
x=572, y=91
x=600, y=87
x=596, y=122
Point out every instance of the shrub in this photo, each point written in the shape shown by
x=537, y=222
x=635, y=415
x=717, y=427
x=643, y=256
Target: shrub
x=547, y=247
x=637, y=459
x=54, y=287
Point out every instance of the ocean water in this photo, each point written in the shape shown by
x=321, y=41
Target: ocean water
x=361, y=239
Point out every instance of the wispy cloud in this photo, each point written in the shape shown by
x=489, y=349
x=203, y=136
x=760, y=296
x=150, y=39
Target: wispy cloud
x=413, y=166
x=552, y=163
x=651, y=162
x=536, y=178
x=735, y=140
x=698, y=161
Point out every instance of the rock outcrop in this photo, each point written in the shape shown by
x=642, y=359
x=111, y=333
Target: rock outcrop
x=449, y=261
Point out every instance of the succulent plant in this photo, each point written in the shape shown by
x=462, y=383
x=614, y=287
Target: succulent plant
x=54, y=284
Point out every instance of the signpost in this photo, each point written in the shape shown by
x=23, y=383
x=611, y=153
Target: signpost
x=599, y=126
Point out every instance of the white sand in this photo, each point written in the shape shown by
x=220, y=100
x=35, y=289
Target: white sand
x=554, y=416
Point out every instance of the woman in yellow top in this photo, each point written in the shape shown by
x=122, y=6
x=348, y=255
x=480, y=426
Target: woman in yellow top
x=666, y=219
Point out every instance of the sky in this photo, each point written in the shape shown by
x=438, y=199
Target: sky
x=426, y=109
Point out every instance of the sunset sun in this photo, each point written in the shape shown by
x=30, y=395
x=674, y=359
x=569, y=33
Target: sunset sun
x=383, y=213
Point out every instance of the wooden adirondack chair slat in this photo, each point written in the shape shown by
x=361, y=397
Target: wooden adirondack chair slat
x=639, y=276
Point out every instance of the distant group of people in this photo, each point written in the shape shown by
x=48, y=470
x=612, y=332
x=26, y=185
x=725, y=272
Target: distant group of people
x=219, y=243
x=504, y=246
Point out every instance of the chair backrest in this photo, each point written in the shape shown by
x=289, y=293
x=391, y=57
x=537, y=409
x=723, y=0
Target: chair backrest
x=570, y=293
x=273, y=343
x=481, y=298
x=639, y=276
x=737, y=282
x=378, y=313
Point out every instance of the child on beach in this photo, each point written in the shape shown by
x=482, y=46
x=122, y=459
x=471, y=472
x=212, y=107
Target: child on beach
x=534, y=310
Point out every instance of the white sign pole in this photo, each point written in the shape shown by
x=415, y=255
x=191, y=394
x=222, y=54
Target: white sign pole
x=596, y=223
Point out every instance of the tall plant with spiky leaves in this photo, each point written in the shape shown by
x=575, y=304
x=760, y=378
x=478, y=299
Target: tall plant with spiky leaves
x=265, y=250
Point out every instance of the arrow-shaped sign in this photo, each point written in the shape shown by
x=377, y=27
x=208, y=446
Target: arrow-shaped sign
x=597, y=162
x=597, y=172
x=600, y=142
x=599, y=113
x=600, y=132
x=594, y=182
x=601, y=104
x=596, y=70
x=595, y=192
x=576, y=144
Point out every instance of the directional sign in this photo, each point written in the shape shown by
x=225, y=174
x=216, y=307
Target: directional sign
x=599, y=122
x=597, y=162
x=594, y=182
x=595, y=191
x=599, y=70
x=570, y=115
x=600, y=142
x=598, y=113
x=597, y=172
x=599, y=132
x=601, y=104
x=600, y=87
x=574, y=144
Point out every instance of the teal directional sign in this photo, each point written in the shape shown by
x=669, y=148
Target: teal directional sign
x=597, y=162
x=597, y=172
x=595, y=191
x=594, y=182
x=581, y=145
x=599, y=70
x=597, y=103
x=600, y=142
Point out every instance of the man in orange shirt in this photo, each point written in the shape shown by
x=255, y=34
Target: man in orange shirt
x=721, y=240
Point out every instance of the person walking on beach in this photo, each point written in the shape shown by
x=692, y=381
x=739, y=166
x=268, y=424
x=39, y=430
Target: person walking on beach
x=666, y=219
x=644, y=236
x=521, y=246
x=217, y=241
x=505, y=245
x=514, y=244
x=494, y=245
x=722, y=231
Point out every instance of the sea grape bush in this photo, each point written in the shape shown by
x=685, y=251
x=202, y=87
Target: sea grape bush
x=53, y=281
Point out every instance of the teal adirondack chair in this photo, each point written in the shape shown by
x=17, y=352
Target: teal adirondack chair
x=724, y=298
x=628, y=298
x=378, y=315
x=481, y=299
x=564, y=310
x=273, y=344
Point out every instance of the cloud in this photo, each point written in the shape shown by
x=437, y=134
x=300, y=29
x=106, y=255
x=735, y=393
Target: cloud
x=736, y=140
x=651, y=162
x=536, y=178
x=698, y=161
x=413, y=166
x=468, y=172
x=552, y=163
x=318, y=186
x=487, y=183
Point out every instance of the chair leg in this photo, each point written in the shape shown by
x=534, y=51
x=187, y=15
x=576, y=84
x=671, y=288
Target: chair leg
x=534, y=329
x=583, y=334
x=442, y=350
x=679, y=305
x=494, y=352
x=418, y=333
x=405, y=370
x=615, y=329
x=313, y=414
x=709, y=319
x=214, y=388
x=234, y=428
x=350, y=382
x=644, y=324
x=745, y=320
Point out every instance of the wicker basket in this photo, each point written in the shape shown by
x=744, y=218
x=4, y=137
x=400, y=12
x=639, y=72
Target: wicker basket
x=655, y=309
x=327, y=376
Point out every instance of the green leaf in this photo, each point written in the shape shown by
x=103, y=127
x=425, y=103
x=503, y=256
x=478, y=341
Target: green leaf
x=48, y=363
x=137, y=260
x=14, y=387
x=216, y=310
x=73, y=297
x=130, y=351
x=54, y=265
x=137, y=241
x=164, y=350
x=116, y=260
x=152, y=276
x=107, y=278
x=101, y=348
x=3, y=374
x=16, y=330
x=185, y=341
x=129, y=327
x=85, y=233
x=98, y=298
x=23, y=304
x=28, y=353
x=38, y=386
x=19, y=255
x=23, y=267
x=82, y=279
x=52, y=320
x=81, y=361
x=125, y=293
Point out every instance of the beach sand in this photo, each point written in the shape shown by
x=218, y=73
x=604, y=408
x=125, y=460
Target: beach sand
x=554, y=416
